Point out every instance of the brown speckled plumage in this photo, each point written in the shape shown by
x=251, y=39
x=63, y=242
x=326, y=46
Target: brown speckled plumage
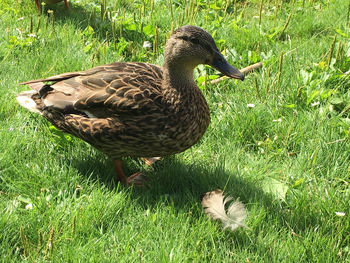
x=135, y=109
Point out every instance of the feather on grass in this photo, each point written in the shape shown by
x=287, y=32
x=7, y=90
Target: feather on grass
x=214, y=206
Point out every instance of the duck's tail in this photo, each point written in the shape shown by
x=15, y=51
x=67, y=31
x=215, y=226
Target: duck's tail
x=29, y=99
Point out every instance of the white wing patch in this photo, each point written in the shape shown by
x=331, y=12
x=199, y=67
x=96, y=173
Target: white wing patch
x=26, y=101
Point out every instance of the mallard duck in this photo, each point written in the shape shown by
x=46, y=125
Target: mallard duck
x=50, y=2
x=134, y=109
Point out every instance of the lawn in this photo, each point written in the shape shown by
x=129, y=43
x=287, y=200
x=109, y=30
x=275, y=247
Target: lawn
x=279, y=141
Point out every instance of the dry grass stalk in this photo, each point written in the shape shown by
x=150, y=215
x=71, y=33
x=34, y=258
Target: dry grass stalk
x=49, y=244
x=260, y=11
x=24, y=241
x=31, y=25
x=348, y=15
x=330, y=52
x=280, y=65
x=245, y=71
x=257, y=87
x=338, y=51
x=285, y=25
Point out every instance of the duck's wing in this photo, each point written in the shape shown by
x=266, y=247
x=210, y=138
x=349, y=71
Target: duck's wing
x=103, y=91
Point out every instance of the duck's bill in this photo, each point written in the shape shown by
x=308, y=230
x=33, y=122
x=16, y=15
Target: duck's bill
x=225, y=68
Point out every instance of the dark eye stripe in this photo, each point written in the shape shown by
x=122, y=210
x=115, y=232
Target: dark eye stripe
x=183, y=38
x=207, y=47
x=194, y=41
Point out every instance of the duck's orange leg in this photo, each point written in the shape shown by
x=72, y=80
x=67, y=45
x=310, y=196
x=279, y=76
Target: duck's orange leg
x=66, y=3
x=37, y=5
x=134, y=179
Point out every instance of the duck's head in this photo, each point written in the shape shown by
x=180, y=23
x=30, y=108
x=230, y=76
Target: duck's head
x=190, y=46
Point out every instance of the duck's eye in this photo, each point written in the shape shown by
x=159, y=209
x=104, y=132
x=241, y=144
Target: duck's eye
x=194, y=41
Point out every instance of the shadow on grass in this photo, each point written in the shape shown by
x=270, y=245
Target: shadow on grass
x=168, y=177
x=181, y=186
x=77, y=15
x=82, y=17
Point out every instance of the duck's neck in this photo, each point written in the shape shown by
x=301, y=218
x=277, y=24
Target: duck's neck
x=183, y=95
x=185, y=99
x=178, y=80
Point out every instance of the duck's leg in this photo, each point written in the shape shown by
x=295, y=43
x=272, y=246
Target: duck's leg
x=37, y=5
x=135, y=179
x=66, y=3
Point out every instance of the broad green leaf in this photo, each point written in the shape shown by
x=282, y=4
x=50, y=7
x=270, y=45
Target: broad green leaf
x=275, y=187
x=24, y=199
x=337, y=101
x=148, y=30
x=342, y=33
x=89, y=31
x=87, y=48
x=298, y=182
x=289, y=106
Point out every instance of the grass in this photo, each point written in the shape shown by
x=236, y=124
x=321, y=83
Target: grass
x=287, y=158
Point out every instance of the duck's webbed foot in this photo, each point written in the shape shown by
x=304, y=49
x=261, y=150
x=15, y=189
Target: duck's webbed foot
x=151, y=161
x=137, y=179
